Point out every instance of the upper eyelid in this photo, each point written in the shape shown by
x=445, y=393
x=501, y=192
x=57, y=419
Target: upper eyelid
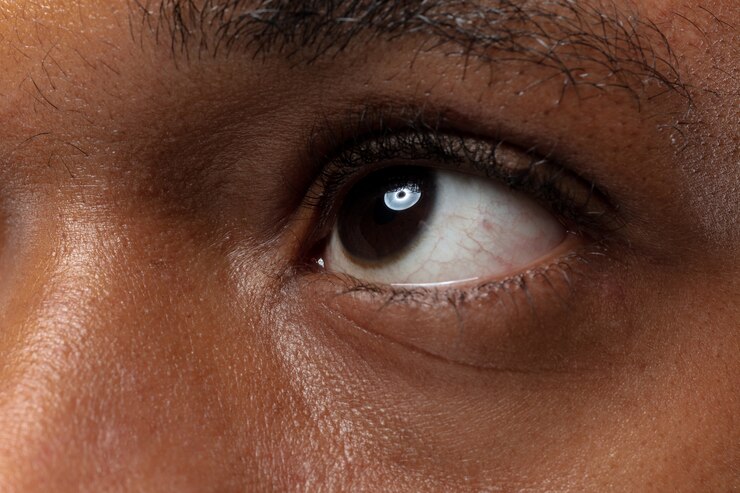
x=429, y=145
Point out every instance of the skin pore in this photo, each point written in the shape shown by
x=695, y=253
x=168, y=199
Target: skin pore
x=170, y=171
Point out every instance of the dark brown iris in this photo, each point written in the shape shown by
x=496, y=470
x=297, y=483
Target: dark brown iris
x=384, y=213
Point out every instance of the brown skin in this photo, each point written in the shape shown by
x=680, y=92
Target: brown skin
x=156, y=338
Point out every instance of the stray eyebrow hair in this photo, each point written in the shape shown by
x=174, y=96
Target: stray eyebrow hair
x=594, y=43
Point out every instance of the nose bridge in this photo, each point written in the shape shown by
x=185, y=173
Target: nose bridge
x=52, y=287
x=48, y=294
x=50, y=318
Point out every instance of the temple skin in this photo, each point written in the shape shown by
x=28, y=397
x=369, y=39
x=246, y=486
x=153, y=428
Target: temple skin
x=156, y=335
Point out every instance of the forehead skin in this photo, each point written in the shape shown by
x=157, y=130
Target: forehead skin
x=149, y=342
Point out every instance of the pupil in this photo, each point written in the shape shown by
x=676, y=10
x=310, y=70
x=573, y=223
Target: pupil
x=386, y=212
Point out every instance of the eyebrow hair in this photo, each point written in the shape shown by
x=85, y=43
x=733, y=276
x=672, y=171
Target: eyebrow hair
x=595, y=43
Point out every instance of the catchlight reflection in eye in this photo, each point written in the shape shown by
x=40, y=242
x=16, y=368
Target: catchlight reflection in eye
x=422, y=226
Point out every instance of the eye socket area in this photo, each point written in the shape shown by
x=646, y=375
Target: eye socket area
x=423, y=226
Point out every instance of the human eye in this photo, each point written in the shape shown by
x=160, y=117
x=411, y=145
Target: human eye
x=428, y=223
x=420, y=226
x=423, y=208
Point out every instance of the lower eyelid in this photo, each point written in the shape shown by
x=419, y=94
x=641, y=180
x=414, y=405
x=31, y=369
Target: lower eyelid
x=480, y=324
x=573, y=249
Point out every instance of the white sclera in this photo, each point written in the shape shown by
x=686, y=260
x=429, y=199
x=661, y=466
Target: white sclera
x=478, y=229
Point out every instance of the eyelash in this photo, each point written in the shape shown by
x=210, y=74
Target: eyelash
x=554, y=186
x=380, y=140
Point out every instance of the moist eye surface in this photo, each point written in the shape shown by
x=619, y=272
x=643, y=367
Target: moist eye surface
x=416, y=225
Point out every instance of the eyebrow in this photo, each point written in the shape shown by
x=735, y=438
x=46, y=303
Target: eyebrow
x=595, y=43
